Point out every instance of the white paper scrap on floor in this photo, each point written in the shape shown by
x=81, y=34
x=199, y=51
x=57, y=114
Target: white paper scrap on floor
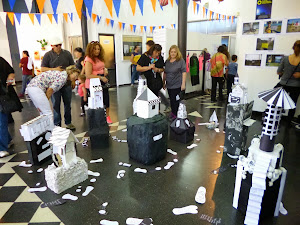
x=192, y=146
x=200, y=195
x=169, y=165
x=37, y=189
x=96, y=174
x=137, y=221
x=108, y=222
x=96, y=160
x=23, y=164
x=87, y=190
x=70, y=197
x=140, y=170
x=191, y=209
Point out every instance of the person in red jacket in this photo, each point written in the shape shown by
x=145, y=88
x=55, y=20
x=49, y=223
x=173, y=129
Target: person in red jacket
x=27, y=68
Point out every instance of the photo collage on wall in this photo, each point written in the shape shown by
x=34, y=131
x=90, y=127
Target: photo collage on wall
x=267, y=29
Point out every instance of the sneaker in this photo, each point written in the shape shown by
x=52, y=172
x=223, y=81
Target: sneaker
x=4, y=154
x=21, y=95
x=167, y=110
x=70, y=126
x=131, y=85
x=232, y=156
x=297, y=127
x=108, y=119
x=82, y=114
x=11, y=143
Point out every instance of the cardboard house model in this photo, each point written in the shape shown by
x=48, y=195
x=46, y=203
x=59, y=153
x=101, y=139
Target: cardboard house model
x=64, y=147
x=96, y=94
x=238, y=95
x=142, y=86
x=147, y=104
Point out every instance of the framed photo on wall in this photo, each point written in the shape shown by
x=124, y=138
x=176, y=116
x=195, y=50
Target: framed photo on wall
x=293, y=25
x=129, y=42
x=251, y=28
x=274, y=60
x=272, y=27
x=263, y=9
x=265, y=43
x=253, y=59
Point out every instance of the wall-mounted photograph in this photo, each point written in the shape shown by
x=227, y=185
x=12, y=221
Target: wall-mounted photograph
x=265, y=43
x=263, y=9
x=251, y=28
x=253, y=59
x=129, y=42
x=272, y=27
x=274, y=60
x=293, y=25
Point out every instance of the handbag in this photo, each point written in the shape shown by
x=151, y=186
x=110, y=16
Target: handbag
x=9, y=100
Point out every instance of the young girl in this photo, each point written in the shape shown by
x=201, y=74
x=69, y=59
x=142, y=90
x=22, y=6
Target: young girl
x=82, y=93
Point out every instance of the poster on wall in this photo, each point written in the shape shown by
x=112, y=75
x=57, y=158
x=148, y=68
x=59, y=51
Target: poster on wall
x=293, y=25
x=253, y=59
x=129, y=42
x=251, y=28
x=265, y=43
x=272, y=27
x=263, y=9
x=274, y=60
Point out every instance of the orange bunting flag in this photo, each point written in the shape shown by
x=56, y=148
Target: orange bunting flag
x=203, y=12
x=107, y=21
x=159, y=27
x=131, y=27
x=120, y=25
x=132, y=5
x=31, y=16
x=232, y=19
x=228, y=17
x=223, y=17
x=50, y=16
x=78, y=6
x=194, y=5
x=210, y=14
x=66, y=16
x=172, y=2
x=151, y=29
x=109, y=5
x=153, y=4
x=142, y=27
x=11, y=17
x=94, y=16
x=41, y=4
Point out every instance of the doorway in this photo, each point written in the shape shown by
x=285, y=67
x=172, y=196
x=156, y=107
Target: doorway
x=108, y=43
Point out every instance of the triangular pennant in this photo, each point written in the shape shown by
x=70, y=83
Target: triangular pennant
x=141, y=5
x=212, y=15
x=54, y=4
x=98, y=19
x=28, y=5
x=78, y=6
x=41, y=4
x=194, y=6
x=154, y=28
x=107, y=21
x=112, y=23
x=228, y=17
x=55, y=17
x=71, y=17
x=11, y=17
x=94, y=17
x=123, y=25
x=206, y=11
x=117, y=4
x=162, y=27
x=153, y=4
x=188, y=3
x=44, y=215
x=159, y=27
x=176, y=2
x=134, y=28
x=203, y=11
x=151, y=29
x=120, y=25
x=18, y=16
x=198, y=7
x=174, y=25
x=109, y=6
x=66, y=16
x=28, y=197
x=161, y=6
x=11, y=4
x=38, y=17
x=50, y=16
x=172, y=2
x=142, y=27
x=131, y=27
x=89, y=6
x=132, y=5
x=16, y=180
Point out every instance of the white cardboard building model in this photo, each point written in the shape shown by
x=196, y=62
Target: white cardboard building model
x=238, y=94
x=95, y=100
x=264, y=158
x=147, y=104
x=142, y=86
x=68, y=169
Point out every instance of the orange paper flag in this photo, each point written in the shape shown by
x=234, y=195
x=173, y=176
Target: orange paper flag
x=94, y=16
x=132, y=5
x=109, y=5
x=153, y=4
x=41, y=4
x=194, y=4
x=203, y=12
x=228, y=17
x=107, y=21
x=50, y=16
x=172, y=2
x=131, y=27
x=210, y=14
x=78, y=6
x=151, y=29
x=223, y=17
x=142, y=27
x=66, y=16
x=159, y=27
x=11, y=17
x=31, y=16
x=120, y=25
x=232, y=19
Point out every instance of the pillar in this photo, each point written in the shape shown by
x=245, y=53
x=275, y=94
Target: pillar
x=182, y=26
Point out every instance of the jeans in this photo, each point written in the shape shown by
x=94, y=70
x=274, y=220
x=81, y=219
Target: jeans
x=66, y=94
x=230, y=81
x=134, y=75
x=174, y=99
x=220, y=81
x=5, y=137
x=25, y=80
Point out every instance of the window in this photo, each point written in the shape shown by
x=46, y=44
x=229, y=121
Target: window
x=153, y=107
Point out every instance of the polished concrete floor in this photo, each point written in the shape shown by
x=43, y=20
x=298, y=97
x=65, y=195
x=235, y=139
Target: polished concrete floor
x=153, y=194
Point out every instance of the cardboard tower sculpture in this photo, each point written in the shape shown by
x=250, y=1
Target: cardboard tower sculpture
x=142, y=86
x=147, y=130
x=182, y=129
x=98, y=127
x=260, y=178
x=36, y=134
x=67, y=170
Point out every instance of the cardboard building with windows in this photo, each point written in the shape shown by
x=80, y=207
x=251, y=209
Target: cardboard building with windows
x=147, y=104
x=95, y=100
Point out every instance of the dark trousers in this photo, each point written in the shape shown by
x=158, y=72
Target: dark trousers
x=66, y=94
x=230, y=81
x=220, y=81
x=5, y=137
x=174, y=99
x=83, y=103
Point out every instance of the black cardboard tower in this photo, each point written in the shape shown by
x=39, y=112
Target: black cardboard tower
x=184, y=133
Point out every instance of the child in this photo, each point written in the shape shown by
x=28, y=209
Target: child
x=82, y=93
x=231, y=72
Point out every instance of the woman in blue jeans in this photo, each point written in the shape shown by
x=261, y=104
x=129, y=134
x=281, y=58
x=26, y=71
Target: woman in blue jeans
x=6, y=78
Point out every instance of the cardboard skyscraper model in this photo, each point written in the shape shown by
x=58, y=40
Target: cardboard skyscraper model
x=147, y=104
x=95, y=100
x=238, y=94
x=182, y=129
x=142, y=86
x=36, y=134
x=68, y=169
x=260, y=178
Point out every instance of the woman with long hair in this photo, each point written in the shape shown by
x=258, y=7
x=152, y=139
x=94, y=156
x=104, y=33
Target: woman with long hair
x=95, y=68
x=289, y=72
x=174, y=78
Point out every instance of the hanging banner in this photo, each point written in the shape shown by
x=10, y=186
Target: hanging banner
x=198, y=7
x=132, y=5
x=55, y=17
x=54, y=4
x=31, y=16
x=66, y=16
x=109, y=6
x=71, y=17
x=78, y=6
x=117, y=4
x=212, y=15
x=41, y=4
x=89, y=6
x=94, y=17
x=141, y=5
x=112, y=23
x=194, y=6
x=98, y=19
x=134, y=28
x=50, y=16
x=28, y=5
x=123, y=25
x=11, y=4
x=203, y=11
x=107, y=21
x=151, y=29
x=11, y=17
x=153, y=4
x=38, y=17
x=172, y=2
x=18, y=16
x=263, y=9
x=141, y=27
x=120, y=25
